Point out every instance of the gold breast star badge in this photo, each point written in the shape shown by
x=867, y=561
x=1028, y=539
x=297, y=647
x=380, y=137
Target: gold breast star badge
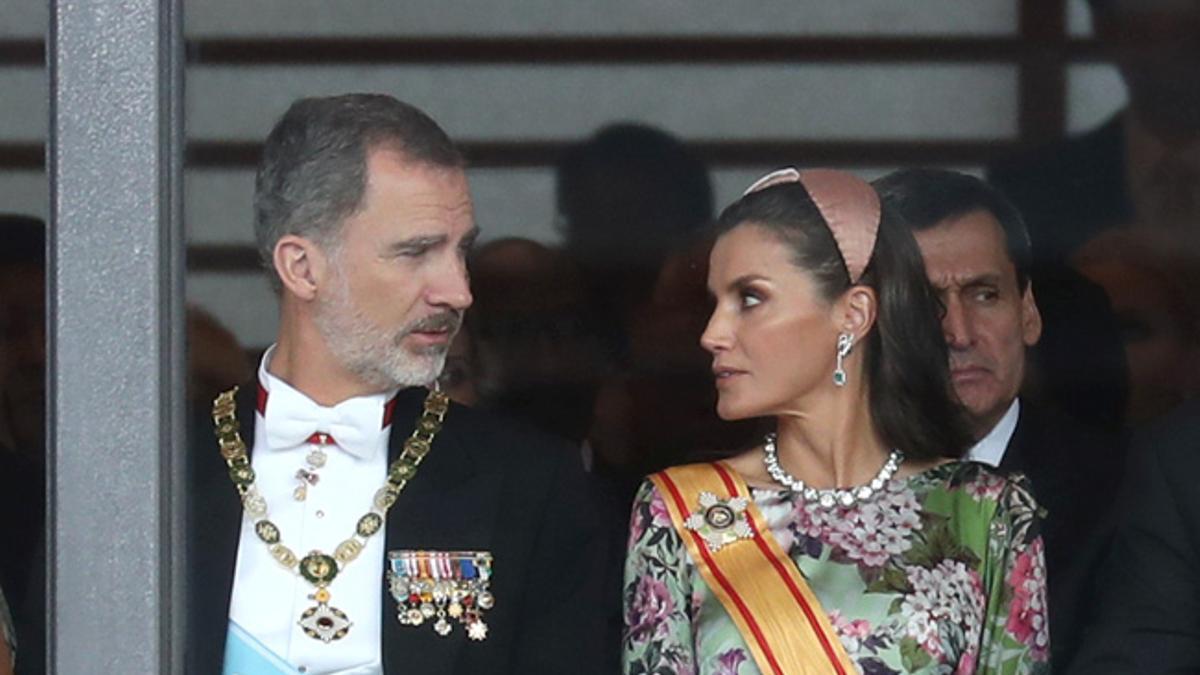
x=720, y=522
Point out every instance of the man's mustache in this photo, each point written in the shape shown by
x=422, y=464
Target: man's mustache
x=958, y=364
x=445, y=321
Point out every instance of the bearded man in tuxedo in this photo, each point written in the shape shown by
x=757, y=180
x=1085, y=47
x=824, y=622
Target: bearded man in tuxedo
x=380, y=528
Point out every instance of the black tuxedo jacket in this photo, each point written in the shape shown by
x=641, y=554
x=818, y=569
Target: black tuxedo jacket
x=485, y=485
x=1075, y=473
x=1149, y=620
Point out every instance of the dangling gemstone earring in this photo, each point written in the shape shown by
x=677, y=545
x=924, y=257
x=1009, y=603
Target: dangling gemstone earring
x=845, y=343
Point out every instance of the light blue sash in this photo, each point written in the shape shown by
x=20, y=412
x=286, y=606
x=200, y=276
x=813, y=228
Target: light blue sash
x=245, y=655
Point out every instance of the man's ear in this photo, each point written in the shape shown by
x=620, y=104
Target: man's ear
x=1031, y=318
x=856, y=311
x=300, y=264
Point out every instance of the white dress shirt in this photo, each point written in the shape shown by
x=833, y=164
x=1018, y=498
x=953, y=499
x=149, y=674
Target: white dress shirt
x=990, y=449
x=268, y=599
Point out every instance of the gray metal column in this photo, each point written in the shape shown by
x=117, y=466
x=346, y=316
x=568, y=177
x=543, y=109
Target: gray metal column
x=115, y=336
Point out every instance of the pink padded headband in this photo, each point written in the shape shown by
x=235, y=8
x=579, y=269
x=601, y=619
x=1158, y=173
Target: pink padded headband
x=849, y=205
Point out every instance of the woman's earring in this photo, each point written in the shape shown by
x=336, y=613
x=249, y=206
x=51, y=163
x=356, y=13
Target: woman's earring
x=844, y=344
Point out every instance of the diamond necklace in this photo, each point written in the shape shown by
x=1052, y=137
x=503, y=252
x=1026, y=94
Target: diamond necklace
x=830, y=496
x=323, y=622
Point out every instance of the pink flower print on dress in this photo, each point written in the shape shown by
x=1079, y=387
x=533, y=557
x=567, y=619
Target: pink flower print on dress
x=870, y=532
x=650, y=610
x=1027, y=620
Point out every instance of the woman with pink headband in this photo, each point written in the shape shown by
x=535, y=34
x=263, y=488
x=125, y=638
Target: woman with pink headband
x=852, y=539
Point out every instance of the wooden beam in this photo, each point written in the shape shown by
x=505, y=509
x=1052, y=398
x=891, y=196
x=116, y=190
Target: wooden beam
x=525, y=153
x=223, y=258
x=615, y=49
x=1042, y=74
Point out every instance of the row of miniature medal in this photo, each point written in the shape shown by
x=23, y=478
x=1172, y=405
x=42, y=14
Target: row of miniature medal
x=442, y=586
x=466, y=595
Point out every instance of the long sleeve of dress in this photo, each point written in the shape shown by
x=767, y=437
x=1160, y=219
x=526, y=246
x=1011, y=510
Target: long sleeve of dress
x=656, y=592
x=1015, y=629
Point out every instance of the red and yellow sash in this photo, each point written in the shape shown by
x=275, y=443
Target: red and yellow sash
x=758, y=584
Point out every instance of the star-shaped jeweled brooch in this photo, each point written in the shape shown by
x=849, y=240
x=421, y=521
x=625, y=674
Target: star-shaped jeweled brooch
x=720, y=522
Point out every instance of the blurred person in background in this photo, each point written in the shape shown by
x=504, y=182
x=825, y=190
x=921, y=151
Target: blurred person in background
x=22, y=426
x=1152, y=290
x=1141, y=168
x=539, y=353
x=214, y=356
x=661, y=409
x=460, y=376
x=1148, y=620
x=627, y=197
x=634, y=203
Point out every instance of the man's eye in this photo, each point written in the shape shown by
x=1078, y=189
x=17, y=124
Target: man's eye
x=986, y=295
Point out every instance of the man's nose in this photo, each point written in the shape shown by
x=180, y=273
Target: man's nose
x=452, y=287
x=956, y=326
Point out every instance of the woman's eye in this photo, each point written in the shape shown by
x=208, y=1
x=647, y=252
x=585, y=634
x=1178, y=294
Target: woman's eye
x=750, y=300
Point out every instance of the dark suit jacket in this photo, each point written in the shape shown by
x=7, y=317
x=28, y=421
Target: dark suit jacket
x=1149, y=620
x=1074, y=473
x=485, y=485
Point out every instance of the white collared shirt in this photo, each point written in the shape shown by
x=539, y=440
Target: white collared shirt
x=990, y=449
x=268, y=599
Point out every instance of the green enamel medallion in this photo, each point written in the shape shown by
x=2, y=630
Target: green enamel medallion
x=319, y=569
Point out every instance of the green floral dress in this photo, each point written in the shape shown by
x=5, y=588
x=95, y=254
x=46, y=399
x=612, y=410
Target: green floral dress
x=941, y=572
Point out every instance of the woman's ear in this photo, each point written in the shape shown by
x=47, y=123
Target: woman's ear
x=300, y=264
x=856, y=310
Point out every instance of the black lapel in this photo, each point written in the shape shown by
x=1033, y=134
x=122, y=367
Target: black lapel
x=214, y=521
x=449, y=505
x=1036, y=450
x=1014, y=455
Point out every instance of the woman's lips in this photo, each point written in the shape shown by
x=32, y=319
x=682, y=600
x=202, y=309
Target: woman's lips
x=726, y=375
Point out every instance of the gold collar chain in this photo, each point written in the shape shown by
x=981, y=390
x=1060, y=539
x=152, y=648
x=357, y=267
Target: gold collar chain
x=323, y=622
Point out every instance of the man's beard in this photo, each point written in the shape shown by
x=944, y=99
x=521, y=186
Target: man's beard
x=371, y=352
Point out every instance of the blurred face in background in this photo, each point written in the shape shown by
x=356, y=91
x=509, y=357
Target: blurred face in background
x=1156, y=46
x=1152, y=298
x=989, y=320
x=458, y=376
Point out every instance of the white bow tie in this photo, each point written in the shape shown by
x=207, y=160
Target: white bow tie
x=354, y=425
